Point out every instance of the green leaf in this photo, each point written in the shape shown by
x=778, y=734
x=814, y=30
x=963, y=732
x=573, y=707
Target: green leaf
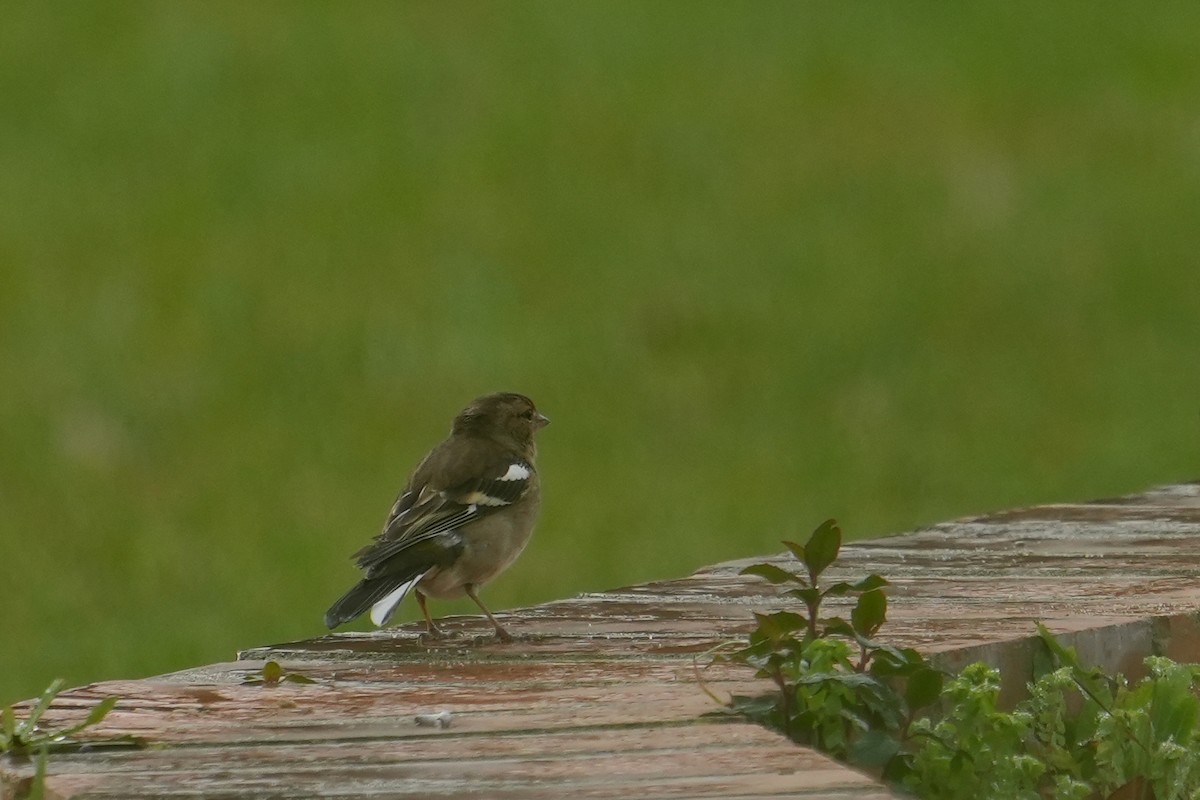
x=889, y=661
x=776, y=626
x=898, y=768
x=1044, y=661
x=1173, y=707
x=754, y=707
x=767, y=665
x=797, y=550
x=809, y=594
x=924, y=688
x=1091, y=681
x=771, y=572
x=836, y=626
x=37, y=789
x=839, y=589
x=822, y=548
x=886, y=706
x=272, y=673
x=870, y=612
x=296, y=677
x=1065, y=655
x=857, y=720
x=100, y=711
x=94, y=717
x=27, y=727
x=870, y=583
x=873, y=749
x=759, y=645
x=851, y=679
x=865, y=585
x=8, y=728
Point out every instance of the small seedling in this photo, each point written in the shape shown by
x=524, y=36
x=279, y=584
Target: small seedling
x=1082, y=734
x=22, y=737
x=25, y=737
x=839, y=688
x=272, y=674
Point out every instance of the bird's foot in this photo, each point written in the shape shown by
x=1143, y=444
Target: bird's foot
x=434, y=632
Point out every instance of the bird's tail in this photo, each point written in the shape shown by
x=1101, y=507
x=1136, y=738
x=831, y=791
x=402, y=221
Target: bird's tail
x=393, y=569
x=381, y=594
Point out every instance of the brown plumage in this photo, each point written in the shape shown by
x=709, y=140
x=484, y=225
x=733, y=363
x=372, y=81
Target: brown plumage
x=464, y=516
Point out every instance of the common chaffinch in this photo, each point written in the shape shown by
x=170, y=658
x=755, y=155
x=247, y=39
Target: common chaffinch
x=465, y=515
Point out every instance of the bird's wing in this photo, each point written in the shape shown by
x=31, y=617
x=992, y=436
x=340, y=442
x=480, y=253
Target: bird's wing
x=443, y=497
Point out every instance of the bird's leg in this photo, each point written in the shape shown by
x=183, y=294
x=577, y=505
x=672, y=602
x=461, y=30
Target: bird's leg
x=501, y=634
x=430, y=626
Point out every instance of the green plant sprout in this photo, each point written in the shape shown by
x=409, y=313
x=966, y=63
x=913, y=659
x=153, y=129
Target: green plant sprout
x=840, y=689
x=272, y=674
x=1082, y=734
x=24, y=737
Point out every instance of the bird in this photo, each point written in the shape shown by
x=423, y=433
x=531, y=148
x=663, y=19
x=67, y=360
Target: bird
x=465, y=514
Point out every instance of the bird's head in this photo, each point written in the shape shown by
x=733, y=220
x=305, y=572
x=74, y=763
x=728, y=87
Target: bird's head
x=506, y=416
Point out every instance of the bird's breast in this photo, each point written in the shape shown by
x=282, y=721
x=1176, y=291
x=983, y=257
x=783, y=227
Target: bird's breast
x=489, y=547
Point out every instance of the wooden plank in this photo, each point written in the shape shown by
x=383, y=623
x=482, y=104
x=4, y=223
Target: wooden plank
x=598, y=696
x=692, y=761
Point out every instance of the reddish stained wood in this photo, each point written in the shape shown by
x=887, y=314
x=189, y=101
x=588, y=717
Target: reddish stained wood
x=598, y=696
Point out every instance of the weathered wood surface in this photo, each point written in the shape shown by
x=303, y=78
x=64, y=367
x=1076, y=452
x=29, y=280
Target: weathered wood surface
x=598, y=698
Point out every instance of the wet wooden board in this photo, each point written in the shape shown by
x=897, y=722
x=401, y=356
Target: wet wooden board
x=599, y=696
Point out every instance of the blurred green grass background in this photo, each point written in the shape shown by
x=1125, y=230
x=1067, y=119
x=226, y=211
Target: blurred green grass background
x=761, y=264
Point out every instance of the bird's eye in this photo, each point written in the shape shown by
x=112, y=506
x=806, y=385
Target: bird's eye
x=528, y=414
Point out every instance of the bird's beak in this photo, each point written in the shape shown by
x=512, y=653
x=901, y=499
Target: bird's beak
x=540, y=421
